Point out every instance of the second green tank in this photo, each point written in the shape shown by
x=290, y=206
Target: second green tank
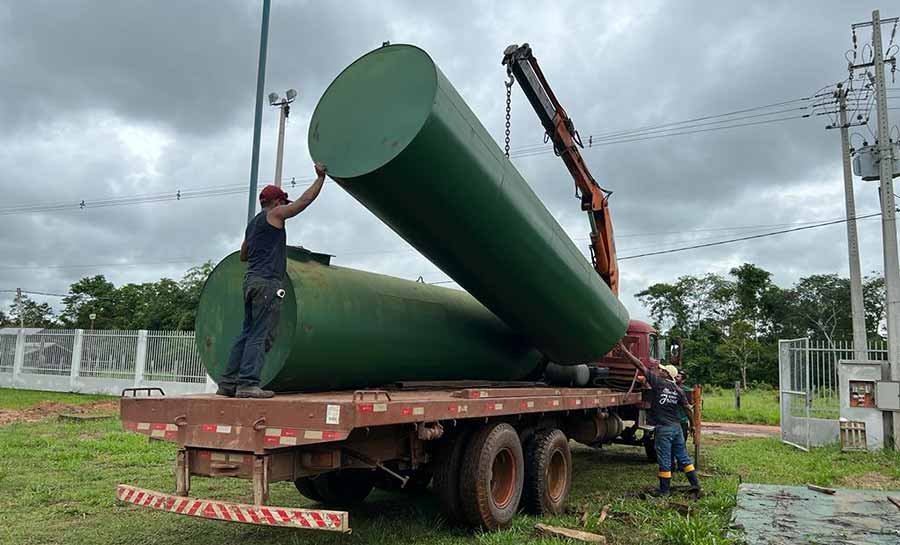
x=343, y=328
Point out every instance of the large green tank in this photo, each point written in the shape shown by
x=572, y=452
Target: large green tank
x=344, y=328
x=396, y=135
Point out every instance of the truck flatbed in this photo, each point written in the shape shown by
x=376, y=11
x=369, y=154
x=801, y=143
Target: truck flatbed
x=290, y=420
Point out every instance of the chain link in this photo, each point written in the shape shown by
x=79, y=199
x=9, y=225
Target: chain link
x=509, y=85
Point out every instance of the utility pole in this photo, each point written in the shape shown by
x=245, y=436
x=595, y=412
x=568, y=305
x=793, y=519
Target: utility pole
x=257, y=120
x=284, y=108
x=19, y=308
x=860, y=348
x=890, y=369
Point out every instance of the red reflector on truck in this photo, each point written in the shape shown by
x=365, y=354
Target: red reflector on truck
x=314, y=519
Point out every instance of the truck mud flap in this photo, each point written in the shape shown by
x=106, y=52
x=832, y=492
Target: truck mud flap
x=285, y=517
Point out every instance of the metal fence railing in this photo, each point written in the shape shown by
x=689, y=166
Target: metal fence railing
x=49, y=352
x=102, y=361
x=109, y=354
x=172, y=356
x=810, y=385
x=7, y=353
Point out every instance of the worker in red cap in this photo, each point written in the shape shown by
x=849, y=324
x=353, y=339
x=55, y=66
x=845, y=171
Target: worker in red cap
x=264, y=248
x=668, y=399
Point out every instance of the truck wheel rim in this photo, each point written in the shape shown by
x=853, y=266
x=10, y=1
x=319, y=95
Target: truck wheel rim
x=503, y=478
x=556, y=475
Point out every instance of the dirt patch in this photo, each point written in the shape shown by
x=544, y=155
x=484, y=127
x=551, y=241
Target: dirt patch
x=872, y=480
x=743, y=430
x=49, y=409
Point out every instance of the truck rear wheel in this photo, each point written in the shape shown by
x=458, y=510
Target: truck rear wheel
x=343, y=488
x=492, y=476
x=307, y=488
x=445, y=483
x=548, y=473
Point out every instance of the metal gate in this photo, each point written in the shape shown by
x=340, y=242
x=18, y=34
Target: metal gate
x=809, y=388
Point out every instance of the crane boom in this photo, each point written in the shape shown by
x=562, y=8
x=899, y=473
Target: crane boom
x=523, y=66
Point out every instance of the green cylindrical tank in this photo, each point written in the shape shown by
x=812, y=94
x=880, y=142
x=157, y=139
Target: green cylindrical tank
x=396, y=135
x=344, y=328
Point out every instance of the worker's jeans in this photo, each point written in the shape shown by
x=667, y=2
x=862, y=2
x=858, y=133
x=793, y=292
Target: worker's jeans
x=261, y=309
x=670, y=446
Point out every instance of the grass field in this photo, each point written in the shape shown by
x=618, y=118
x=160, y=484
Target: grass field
x=757, y=406
x=63, y=476
x=23, y=399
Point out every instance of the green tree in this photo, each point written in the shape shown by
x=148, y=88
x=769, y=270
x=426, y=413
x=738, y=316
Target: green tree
x=90, y=295
x=873, y=302
x=740, y=348
x=822, y=304
x=31, y=314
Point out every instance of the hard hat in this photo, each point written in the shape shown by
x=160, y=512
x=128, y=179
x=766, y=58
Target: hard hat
x=671, y=369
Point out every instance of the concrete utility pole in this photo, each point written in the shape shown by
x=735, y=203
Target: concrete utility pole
x=857, y=308
x=284, y=108
x=19, y=308
x=890, y=369
x=257, y=120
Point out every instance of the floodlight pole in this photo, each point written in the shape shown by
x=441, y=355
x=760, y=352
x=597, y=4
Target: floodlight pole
x=257, y=121
x=283, y=108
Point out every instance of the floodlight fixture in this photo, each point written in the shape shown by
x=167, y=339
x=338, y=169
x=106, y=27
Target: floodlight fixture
x=273, y=98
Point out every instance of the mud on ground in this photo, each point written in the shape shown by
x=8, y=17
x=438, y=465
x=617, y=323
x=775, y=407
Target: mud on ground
x=52, y=409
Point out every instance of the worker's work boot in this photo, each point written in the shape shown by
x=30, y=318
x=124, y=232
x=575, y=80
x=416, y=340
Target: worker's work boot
x=254, y=392
x=664, y=485
x=691, y=475
x=226, y=390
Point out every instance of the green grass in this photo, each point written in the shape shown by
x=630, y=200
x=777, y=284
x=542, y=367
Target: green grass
x=758, y=406
x=23, y=399
x=57, y=484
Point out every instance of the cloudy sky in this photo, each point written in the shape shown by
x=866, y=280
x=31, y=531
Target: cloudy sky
x=103, y=100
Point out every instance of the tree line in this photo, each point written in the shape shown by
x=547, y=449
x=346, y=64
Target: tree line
x=730, y=325
x=162, y=305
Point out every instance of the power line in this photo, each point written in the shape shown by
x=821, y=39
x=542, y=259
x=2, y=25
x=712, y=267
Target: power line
x=653, y=137
x=750, y=237
x=625, y=132
x=30, y=292
x=167, y=196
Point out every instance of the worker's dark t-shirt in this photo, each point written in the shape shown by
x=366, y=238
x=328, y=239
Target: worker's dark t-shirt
x=266, y=248
x=667, y=398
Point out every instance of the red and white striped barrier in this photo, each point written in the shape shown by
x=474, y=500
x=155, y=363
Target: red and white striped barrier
x=312, y=519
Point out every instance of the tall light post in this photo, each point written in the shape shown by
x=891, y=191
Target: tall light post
x=284, y=107
x=257, y=120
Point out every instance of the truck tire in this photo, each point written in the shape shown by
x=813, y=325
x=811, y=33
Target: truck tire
x=548, y=473
x=306, y=486
x=343, y=488
x=492, y=475
x=445, y=482
x=650, y=447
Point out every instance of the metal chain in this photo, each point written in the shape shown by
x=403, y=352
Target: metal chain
x=509, y=85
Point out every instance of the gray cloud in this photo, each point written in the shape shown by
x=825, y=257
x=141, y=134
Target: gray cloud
x=105, y=99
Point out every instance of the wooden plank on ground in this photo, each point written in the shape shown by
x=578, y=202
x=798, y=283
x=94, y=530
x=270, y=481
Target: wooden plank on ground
x=567, y=533
x=822, y=489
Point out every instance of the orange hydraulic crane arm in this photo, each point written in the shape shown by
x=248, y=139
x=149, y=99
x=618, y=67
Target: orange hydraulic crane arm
x=523, y=67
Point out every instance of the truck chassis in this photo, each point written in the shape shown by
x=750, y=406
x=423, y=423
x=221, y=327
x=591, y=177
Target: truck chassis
x=490, y=448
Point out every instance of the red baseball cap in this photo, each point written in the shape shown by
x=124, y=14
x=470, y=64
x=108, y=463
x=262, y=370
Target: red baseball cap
x=272, y=193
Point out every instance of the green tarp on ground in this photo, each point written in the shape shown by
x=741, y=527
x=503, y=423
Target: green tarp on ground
x=794, y=515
